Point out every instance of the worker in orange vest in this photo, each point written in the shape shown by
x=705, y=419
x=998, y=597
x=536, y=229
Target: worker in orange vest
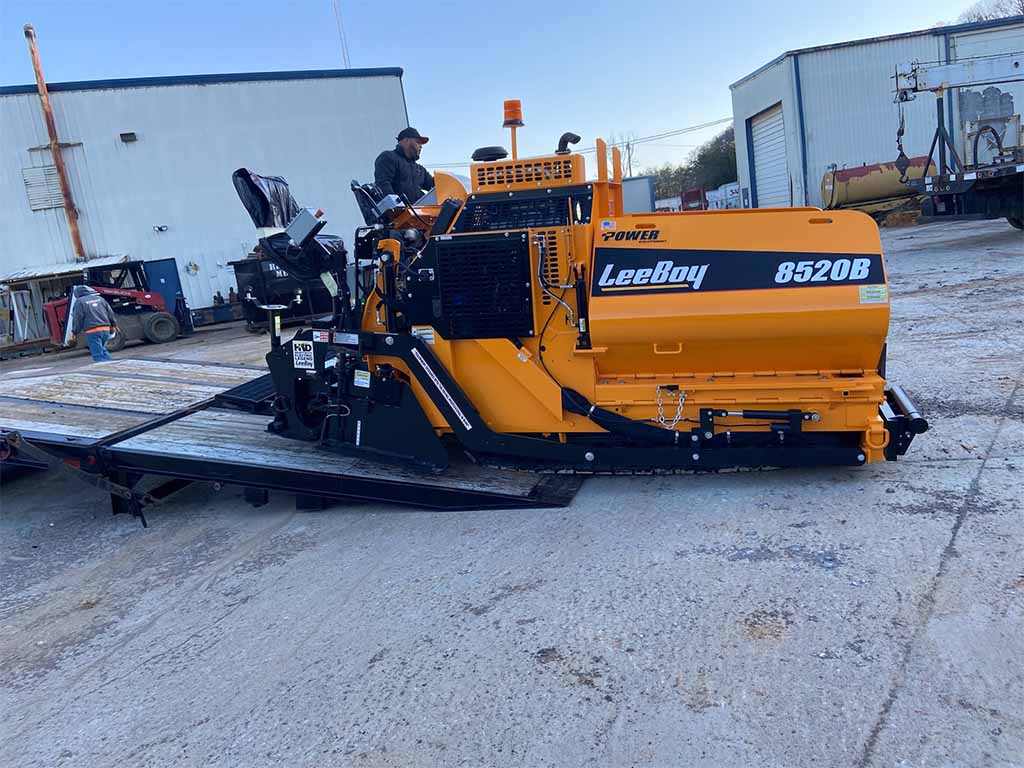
x=92, y=315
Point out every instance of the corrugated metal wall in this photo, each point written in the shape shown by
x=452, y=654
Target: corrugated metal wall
x=317, y=133
x=1008, y=96
x=850, y=117
x=773, y=85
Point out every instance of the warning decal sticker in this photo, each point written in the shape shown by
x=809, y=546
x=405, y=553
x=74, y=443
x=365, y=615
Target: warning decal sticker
x=873, y=294
x=302, y=355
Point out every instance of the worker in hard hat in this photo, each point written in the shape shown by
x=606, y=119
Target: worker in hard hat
x=396, y=171
x=93, y=316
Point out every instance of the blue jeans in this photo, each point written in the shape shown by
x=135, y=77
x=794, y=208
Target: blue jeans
x=98, y=345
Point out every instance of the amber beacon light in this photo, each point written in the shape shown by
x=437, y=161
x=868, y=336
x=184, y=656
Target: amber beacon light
x=513, y=120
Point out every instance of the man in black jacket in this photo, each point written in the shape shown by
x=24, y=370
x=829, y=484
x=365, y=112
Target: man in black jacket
x=91, y=315
x=396, y=171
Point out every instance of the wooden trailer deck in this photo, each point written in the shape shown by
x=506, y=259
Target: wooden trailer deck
x=103, y=399
x=157, y=418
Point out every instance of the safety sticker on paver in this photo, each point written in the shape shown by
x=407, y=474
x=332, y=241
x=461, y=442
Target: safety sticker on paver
x=873, y=294
x=302, y=355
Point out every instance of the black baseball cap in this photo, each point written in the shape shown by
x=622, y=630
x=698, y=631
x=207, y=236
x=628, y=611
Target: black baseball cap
x=412, y=133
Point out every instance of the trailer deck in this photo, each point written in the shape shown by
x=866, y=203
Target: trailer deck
x=126, y=420
x=103, y=399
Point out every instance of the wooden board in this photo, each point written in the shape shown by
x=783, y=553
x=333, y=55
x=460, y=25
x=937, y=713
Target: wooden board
x=103, y=398
x=112, y=393
x=225, y=376
x=241, y=438
x=66, y=420
x=97, y=401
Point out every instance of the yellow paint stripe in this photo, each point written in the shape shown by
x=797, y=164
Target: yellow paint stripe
x=646, y=287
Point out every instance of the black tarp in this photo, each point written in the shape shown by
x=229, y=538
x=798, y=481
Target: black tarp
x=266, y=198
x=270, y=204
x=325, y=254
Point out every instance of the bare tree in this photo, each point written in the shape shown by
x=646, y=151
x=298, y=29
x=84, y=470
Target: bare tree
x=986, y=10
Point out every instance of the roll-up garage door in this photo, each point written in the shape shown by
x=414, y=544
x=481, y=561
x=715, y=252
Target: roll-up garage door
x=771, y=172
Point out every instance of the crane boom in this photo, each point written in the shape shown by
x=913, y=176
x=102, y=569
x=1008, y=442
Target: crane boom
x=917, y=77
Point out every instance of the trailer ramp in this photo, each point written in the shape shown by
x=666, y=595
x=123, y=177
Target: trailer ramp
x=131, y=420
x=235, y=447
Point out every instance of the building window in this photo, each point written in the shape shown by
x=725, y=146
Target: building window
x=43, y=187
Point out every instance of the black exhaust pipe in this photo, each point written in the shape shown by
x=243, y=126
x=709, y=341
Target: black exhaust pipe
x=563, y=143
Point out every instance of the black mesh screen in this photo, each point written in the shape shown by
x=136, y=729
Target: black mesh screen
x=485, y=287
x=560, y=207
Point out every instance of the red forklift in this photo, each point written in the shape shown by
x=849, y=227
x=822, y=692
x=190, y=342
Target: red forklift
x=155, y=314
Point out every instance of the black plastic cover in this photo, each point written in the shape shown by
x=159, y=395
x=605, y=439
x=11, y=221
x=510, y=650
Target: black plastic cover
x=325, y=253
x=445, y=217
x=489, y=154
x=266, y=198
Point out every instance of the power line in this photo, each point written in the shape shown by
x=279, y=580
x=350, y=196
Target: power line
x=665, y=135
x=336, y=5
x=641, y=140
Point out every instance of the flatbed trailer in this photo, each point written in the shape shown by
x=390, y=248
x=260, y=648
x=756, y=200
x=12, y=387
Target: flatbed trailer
x=127, y=424
x=980, y=193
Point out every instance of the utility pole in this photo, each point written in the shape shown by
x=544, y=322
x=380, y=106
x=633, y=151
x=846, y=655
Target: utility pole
x=58, y=159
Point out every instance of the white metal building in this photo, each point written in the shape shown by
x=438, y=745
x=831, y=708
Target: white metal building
x=638, y=194
x=800, y=113
x=150, y=163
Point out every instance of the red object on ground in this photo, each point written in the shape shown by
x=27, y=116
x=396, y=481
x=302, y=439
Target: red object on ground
x=56, y=311
x=694, y=200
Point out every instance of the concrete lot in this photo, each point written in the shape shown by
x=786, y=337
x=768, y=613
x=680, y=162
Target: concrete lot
x=863, y=617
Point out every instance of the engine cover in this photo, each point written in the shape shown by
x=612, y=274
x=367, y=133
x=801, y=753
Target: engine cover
x=472, y=286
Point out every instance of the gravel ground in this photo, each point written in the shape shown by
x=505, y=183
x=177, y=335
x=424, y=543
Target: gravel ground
x=862, y=617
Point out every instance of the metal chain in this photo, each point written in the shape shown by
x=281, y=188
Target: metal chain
x=681, y=398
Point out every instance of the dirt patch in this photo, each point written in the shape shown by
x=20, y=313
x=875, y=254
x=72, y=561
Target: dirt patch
x=952, y=408
x=586, y=677
x=767, y=625
x=503, y=594
x=822, y=558
x=696, y=693
x=548, y=655
x=900, y=219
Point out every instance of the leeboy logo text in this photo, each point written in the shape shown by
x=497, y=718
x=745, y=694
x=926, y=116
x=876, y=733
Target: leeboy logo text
x=664, y=274
x=643, y=235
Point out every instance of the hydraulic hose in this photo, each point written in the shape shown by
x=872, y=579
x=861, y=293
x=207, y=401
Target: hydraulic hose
x=616, y=423
x=979, y=134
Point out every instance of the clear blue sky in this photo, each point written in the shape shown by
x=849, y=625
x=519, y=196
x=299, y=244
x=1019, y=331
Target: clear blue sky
x=597, y=68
